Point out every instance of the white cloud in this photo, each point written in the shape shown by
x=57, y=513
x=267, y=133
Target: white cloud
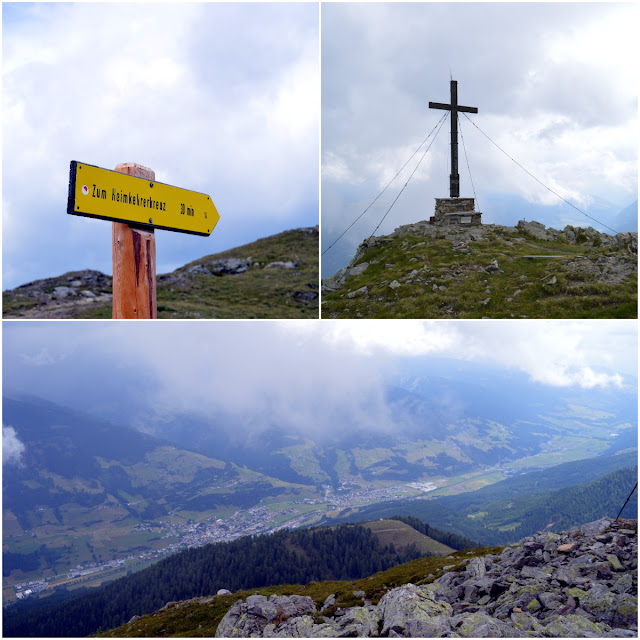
x=398, y=338
x=311, y=376
x=12, y=447
x=563, y=105
x=563, y=354
x=40, y=359
x=221, y=98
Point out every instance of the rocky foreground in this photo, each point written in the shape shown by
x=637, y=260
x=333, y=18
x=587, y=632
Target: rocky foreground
x=581, y=583
x=274, y=277
x=489, y=271
x=604, y=268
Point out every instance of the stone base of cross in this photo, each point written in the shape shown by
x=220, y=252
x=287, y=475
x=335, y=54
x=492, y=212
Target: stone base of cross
x=456, y=212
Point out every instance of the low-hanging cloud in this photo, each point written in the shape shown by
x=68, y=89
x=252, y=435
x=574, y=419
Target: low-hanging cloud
x=263, y=373
x=12, y=446
x=564, y=105
x=293, y=381
x=310, y=377
x=563, y=354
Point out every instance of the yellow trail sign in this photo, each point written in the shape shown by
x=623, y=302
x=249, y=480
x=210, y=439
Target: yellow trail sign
x=110, y=195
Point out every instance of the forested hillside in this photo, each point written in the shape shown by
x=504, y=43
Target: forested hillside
x=301, y=556
x=508, y=511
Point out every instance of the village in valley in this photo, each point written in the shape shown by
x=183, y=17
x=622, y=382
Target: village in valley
x=180, y=534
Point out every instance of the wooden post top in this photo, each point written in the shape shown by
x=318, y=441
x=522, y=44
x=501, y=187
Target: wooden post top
x=134, y=261
x=137, y=170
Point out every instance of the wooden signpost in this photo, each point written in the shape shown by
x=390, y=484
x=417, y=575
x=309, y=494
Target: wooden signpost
x=136, y=204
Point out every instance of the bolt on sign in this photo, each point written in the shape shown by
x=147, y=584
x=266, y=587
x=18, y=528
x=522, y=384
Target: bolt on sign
x=110, y=195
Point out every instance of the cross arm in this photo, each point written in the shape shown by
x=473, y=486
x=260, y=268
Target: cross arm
x=447, y=107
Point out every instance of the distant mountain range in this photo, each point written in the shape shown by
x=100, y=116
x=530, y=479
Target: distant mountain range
x=446, y=423
x=274, y=277
x=472, y=456
x=86, y=489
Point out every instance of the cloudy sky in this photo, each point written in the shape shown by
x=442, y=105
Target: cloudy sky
x=298, y=374
x=555, y=85
x=221, y=98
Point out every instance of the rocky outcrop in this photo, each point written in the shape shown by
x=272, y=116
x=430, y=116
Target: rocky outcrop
x=461, y=237
x=283, y=267
x=73, y=289
x=577, y=235
x=581, y=583
x=492, y=271
x=230, y=266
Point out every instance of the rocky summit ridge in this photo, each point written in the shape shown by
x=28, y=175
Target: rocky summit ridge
x=423, y=270
x=273, y=277
x=580, y=583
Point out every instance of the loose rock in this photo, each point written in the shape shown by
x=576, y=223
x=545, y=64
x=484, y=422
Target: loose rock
x=526, y=591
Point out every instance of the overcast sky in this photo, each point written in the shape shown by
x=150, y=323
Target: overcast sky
x=555, y=85
x=221, y=98
x=297, y=374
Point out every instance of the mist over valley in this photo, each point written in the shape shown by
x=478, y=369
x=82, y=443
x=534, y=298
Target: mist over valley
x=491, y=435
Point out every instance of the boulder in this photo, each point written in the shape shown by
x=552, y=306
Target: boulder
x=414, y=611
x=249, y=618
x=537, y=230
x=358, y=269
x=226, y=266
x=362, y=291
x=63, y=292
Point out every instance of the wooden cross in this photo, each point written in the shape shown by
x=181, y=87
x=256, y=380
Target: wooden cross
x=454, y=107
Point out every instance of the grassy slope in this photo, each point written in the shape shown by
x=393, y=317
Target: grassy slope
x=257, y=293
x=107, y=533
x=105, y=467
x=520, y=290
x=402, y=535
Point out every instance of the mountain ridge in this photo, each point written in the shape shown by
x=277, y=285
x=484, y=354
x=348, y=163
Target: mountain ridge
x=488, y=271
x=140, y=488
x=504, y=512
x=105, y=490
x=273, y=277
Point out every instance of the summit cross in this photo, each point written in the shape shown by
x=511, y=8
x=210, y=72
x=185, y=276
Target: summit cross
x=454, y=107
